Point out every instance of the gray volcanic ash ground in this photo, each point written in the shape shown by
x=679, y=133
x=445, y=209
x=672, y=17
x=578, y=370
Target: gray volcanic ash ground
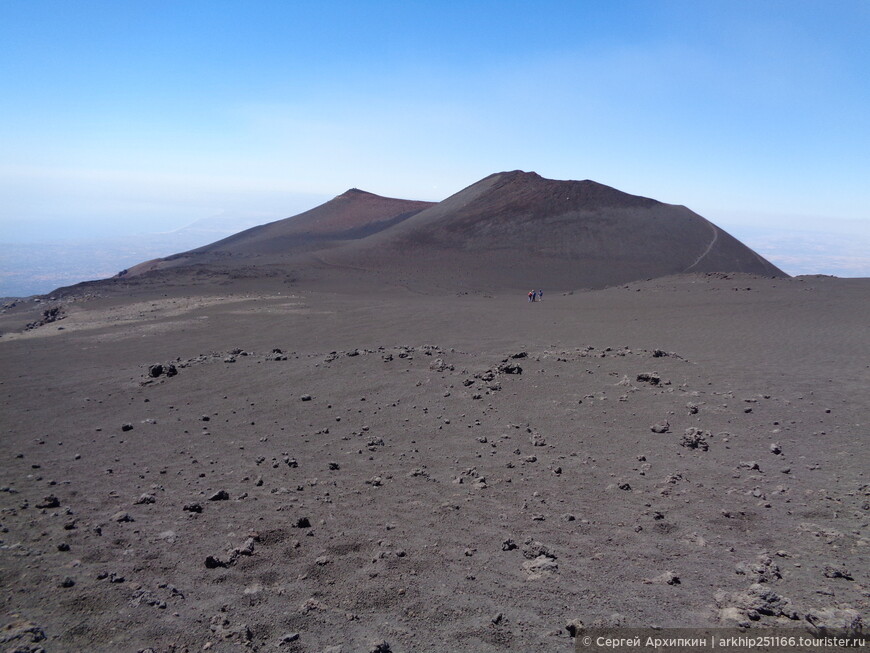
x=312, y=470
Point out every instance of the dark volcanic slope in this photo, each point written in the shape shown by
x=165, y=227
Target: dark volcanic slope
x=509, y=230
x=517, y=229
x=352, y=215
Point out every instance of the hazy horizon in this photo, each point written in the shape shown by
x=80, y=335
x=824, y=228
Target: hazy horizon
x=30, y=265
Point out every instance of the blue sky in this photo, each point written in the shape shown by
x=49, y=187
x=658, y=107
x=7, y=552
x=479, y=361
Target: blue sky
x=123, y=117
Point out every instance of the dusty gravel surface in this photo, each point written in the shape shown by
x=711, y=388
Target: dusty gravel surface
x=426, y=472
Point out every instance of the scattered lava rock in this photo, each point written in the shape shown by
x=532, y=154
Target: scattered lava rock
x=213, y=563
x=158, y=370
x=695, y=438
x=50, y=501
x=837, y=572
x=49, y=315
x=507, y=367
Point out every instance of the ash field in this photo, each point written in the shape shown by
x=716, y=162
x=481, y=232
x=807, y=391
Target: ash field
x=350, y=431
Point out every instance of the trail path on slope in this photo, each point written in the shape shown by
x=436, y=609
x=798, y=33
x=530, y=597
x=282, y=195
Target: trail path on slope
x=709, y=247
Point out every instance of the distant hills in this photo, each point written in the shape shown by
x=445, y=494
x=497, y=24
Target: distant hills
x=508, y=230
x=350, y=216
